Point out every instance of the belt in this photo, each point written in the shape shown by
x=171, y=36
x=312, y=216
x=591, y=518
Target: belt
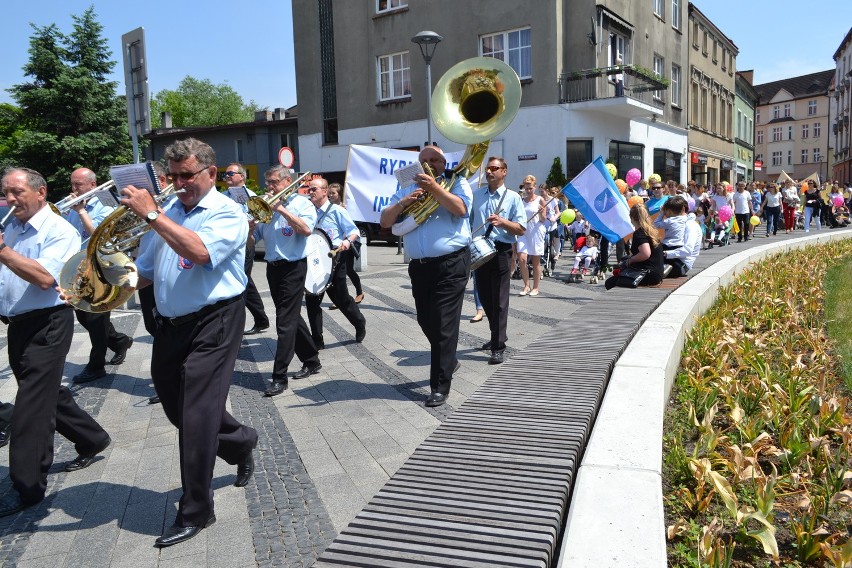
x=281, y=261
x=500, y=246
x=439, y=258
x=33, y=314
x=194, y=316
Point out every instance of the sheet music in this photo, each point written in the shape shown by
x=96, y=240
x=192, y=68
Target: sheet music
x=405, y=176
x=105, y=197
x=137, y=175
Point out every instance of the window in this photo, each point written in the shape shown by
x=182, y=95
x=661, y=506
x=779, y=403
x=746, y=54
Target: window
x=388, y=5
x=757, y=116
x=715, y=51
x=750, y=132
x=805, y=130
x=675, y=85
x=704, y=109
x=695, y=31
x=817, y=129
x=394, y=76
x=238, y=150
x=740, y=124
x=626, y=156
x=617, y=49
x=578, y=155
x=704, y=45
x=724, y=57
x=817, y=155
x=789, y=133
x=776, y=112
x=805, y=156
x=776, y=134
x=789, y=157
x=812, y=108
x=786, y=110
x=713, y=105
x=676, y=14
x=512, y=47
x=659, y=70
x=694, y=107
x=659, y=8
x=760, y=136
x=667, y=163
x=776, y=158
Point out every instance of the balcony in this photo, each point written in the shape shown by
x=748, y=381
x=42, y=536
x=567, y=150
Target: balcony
x=593, y=90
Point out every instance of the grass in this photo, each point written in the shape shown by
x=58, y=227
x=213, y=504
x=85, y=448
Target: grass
x=838, y=309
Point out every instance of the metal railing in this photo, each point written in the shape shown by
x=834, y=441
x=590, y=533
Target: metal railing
x=595, y=84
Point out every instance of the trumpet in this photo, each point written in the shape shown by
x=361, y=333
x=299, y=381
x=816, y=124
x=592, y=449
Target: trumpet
x=6, y=218
x=260, y=208
x=63, y=206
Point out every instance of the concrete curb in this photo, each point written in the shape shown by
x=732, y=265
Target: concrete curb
x=616, y=514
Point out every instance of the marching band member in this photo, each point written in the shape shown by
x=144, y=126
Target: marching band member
x=286, y=268
x=341, y=229
x=33, y=249
x=85, y=216
x=439, y=267
x=195, y=262
x=494, y=277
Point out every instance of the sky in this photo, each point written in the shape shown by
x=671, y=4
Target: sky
x=249, y=45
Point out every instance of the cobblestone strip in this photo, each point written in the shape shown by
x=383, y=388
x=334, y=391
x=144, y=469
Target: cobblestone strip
x=290, y=526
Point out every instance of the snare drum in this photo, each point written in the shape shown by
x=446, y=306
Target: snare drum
x=320, y=264
x=481, y=251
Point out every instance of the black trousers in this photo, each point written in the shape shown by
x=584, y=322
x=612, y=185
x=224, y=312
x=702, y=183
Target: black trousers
x=339, y=294
x=254, y=303
x=147, y=305
x=493, y=281
x=438, y=289
x=744, y=225
x=192, y=366
x=287, y=287
x=37, y=349
x=7, y=409
x=102, y=335
x=352, y=273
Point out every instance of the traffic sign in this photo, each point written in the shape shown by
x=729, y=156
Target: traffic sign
x=286, y=157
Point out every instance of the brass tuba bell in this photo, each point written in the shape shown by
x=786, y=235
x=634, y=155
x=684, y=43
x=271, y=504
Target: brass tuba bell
x=474, y=101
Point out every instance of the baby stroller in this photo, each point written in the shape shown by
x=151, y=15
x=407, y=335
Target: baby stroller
x=720, y=239
x=593, y=271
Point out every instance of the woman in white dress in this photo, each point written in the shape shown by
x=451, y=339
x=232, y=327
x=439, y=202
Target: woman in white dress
x=531, y=243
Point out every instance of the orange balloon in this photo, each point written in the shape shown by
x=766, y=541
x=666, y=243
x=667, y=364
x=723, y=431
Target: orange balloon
x=621, y=185
x=635, y=200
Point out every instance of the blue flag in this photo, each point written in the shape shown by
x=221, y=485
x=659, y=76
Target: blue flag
x=594, y=194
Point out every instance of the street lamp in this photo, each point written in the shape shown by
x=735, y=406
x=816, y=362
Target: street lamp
x=428, y=42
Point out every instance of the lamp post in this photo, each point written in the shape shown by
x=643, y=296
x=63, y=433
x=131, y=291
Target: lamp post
x=427, y=42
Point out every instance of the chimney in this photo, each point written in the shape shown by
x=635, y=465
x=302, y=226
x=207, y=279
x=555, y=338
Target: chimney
x=165, y=120
x=280, y=113
x=262, y=115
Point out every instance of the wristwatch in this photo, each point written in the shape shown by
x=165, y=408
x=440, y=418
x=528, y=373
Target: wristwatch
x=152, y=216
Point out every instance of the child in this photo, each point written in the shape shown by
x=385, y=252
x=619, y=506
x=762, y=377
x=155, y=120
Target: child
x=719, y=229
x=586, y=255
x=673, y=223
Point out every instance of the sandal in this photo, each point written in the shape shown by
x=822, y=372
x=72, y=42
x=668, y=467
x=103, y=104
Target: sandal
x=359, y=298
x=534, y=293
x=478, y=317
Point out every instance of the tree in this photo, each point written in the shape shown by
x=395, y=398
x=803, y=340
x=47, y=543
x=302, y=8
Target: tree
x=556, y=178
x=198, y=102
x=70, y=114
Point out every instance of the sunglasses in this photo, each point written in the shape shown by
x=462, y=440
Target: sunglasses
x=231, y=174
x=494, y=168
x=183, y=176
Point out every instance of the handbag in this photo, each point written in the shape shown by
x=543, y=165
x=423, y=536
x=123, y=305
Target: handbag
x=631, y=277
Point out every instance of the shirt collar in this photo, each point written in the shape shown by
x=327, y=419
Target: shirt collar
x=36, y=221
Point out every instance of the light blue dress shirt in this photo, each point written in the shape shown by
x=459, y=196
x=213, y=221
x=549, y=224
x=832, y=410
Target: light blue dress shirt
x=443, y=232
x=337, y=223
x=282, y=241
x=97, y=213
x=48, y=239
x=485, y=203
x=181, y=287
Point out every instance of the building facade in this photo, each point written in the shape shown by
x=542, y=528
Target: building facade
x=361, y=80
x=791, y=123
x=841, y=108
x=712, y=68
x=745, y=103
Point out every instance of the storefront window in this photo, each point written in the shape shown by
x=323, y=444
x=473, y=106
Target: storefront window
x=626, y=156
x=667, y=164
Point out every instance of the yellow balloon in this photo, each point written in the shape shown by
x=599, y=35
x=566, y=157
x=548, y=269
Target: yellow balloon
x=568, y=216
x=613, y=171
x=655, y=178
x=755, y=220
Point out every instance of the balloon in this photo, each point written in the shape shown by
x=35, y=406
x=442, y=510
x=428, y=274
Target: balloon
x=838, y=201
x=654, y=178
x=633, y=177
x=635, y=200
x=568, y=216
x=690, y=202
x=621, y=185
x=613, y=171
x=725, y=213
x=754, y=221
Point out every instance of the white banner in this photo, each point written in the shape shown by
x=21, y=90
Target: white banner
x=370, y=180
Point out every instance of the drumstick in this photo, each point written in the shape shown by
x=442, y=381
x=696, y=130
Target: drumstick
x=486, y=222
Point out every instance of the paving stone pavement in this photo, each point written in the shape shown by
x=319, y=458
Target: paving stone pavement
x=326, y=445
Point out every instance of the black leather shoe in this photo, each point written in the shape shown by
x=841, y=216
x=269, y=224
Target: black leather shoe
x=277, y=387
x=121, y=354
x=4, y=435
x=154, y=400
x=245, y=469
x=255, y=330
x=88, y=375
x=320, y=346
x=307, y=371
x=486, y=346
x=496, y=358
x=84, y=461
x=361, y=333
x=12, y=504
x=176, y=534
x=436, y=399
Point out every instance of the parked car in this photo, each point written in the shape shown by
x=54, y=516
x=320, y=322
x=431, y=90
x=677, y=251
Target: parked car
x=374, y=232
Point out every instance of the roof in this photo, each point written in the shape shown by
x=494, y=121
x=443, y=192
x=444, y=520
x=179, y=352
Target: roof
x=843, y=43
x=808, y=85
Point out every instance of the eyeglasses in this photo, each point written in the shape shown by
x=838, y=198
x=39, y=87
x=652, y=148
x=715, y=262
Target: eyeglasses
x=313, y=189
x=658, y=187
x=494, y=168
x=231, y=174
x=273, y=181
x=172, y=177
